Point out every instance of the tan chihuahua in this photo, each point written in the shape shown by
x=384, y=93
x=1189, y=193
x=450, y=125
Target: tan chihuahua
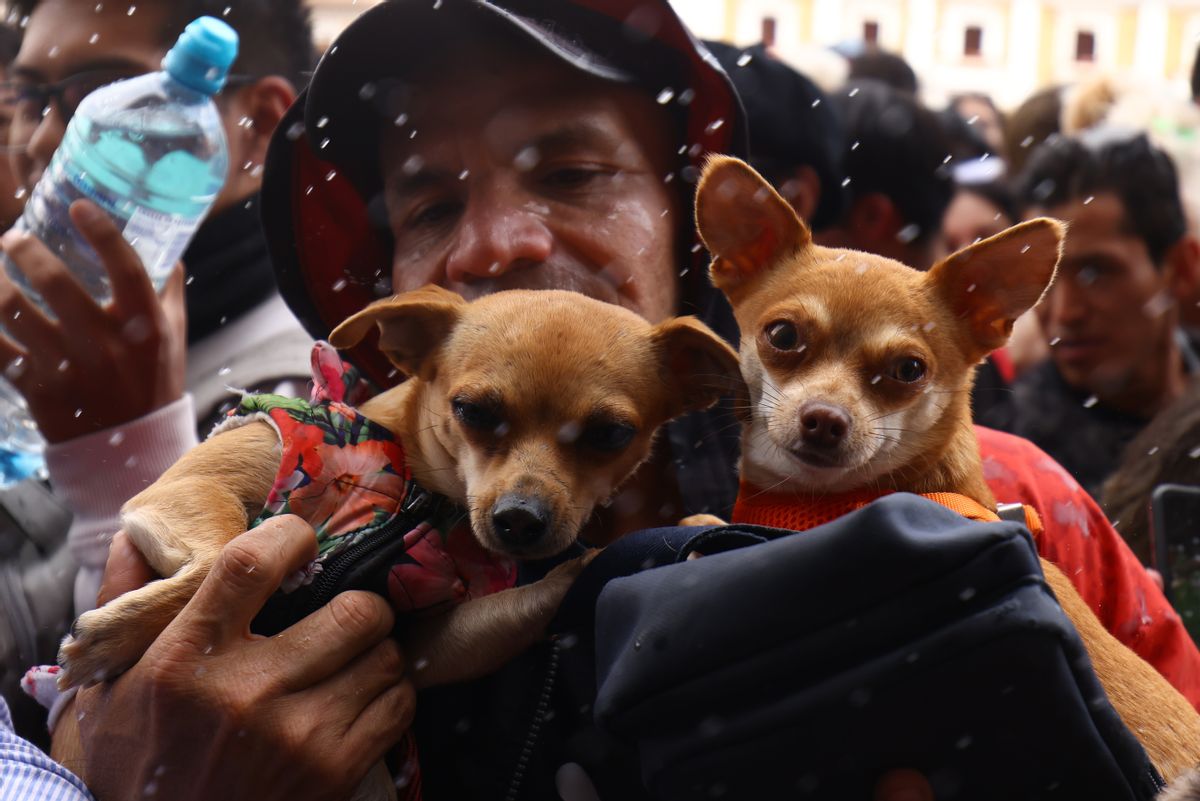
x=859, y=372
x=527, y=408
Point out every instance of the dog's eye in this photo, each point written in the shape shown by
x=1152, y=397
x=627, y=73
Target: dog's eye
x=476, y=416
x=909, y=370
x=782, y=335
x=609, y=437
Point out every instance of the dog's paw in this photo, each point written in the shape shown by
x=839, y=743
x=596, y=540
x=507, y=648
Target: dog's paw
x=568, y=571
x=702, y=520
x=94, y=651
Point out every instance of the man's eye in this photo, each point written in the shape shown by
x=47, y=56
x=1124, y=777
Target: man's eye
x=572, y=177
x=434, y=213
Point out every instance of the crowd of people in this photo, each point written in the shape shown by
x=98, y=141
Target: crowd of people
x=530, y=144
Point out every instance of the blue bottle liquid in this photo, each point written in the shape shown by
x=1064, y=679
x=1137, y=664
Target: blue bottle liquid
x=151, y=152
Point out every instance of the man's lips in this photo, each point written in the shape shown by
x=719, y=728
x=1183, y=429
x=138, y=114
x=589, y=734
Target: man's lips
x=1075, y=348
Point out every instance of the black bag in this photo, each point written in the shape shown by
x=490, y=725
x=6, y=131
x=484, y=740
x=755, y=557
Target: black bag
x=900, y=636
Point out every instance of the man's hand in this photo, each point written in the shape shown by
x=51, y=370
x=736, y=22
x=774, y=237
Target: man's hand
x=111, y=363
x=212, y=711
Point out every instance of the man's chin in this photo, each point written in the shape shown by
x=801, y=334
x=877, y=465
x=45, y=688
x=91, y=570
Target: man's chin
x=1099, y=380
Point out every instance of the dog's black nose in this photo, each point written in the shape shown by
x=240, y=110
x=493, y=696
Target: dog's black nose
x=822, y=425
x=520, y=521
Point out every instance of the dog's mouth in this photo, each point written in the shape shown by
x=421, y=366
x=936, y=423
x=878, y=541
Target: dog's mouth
x=830, y=460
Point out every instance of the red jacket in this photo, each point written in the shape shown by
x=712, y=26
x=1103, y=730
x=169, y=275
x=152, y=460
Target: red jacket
x=1079, y=539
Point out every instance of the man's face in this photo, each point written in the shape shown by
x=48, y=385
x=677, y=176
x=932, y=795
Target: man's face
x=88, y=44
x=67, y=38
x=520, y=172
x=1108, y=313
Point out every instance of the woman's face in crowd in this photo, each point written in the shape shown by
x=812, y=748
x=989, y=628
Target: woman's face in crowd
x=969, y=218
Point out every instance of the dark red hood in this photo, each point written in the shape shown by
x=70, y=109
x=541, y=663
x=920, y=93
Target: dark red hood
x=322, y=206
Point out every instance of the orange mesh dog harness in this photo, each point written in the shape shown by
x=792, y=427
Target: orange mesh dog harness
x=797, y=512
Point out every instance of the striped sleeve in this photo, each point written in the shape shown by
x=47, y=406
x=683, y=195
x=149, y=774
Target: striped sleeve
x=28, y=774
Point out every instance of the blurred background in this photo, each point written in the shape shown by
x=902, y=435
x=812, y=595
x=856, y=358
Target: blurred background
x=1006, y=49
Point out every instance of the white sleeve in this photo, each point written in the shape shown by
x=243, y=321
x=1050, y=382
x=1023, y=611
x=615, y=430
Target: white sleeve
x=95, y=474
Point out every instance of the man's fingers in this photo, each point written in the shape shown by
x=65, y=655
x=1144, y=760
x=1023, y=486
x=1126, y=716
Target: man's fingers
x=346, y=627
x=132, y=291
x=12, y=358
x=385, y=720
x=368, y=704
x=126, y=570
x=21, y=318
x=249, y=568
x=174, y=302
x=53, y=280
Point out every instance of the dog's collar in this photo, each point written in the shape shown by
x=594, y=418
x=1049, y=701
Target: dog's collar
x=800, y=512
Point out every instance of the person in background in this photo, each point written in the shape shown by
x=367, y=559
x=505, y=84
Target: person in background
x=12, y=194
x=796, y=136
x=1163, y=453
x=980, y=210
x=898, y=180
x=876, y=64
x=1030, y=124
x=137, y=383
x=977, y=211
x=979, y=111
x=1112, y=315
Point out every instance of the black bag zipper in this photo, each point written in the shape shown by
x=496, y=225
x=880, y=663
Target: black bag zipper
x=534, y=731
x=418, y=502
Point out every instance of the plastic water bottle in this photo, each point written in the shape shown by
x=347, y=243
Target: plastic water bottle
x=151, y=152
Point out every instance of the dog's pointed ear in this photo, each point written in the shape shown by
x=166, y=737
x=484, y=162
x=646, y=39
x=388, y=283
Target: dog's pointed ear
x=697, y=364
x=411, y=325
x=992, y=283
x=743, y=222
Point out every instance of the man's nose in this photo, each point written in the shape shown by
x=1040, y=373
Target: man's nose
x=44, y=140
x=497, y=235
x=1067, y=302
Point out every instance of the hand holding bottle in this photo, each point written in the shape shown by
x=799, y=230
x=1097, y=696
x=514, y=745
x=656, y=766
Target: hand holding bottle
x=96, y=365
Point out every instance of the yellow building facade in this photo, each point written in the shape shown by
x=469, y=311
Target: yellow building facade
x=1006, y=48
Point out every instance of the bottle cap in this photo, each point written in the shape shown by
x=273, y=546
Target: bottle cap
x=203, y=54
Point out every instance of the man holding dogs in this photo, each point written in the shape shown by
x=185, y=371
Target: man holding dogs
x=512, y=157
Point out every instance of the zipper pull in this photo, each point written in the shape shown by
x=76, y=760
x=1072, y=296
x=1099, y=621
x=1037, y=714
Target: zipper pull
x=416, y=498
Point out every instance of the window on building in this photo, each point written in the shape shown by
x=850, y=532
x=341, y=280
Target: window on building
x=768, y=31
x=871, y=32
x=973, y=41
x=1085, y=46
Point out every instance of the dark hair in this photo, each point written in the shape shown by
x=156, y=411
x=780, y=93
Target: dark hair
x=896, y=146
x=879, y=65
x=1034, y=121
x=1141, y=175
x=1163, y=453
x=791, y=122
x=965, y=140
x=276, y=35
x=999, y=194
